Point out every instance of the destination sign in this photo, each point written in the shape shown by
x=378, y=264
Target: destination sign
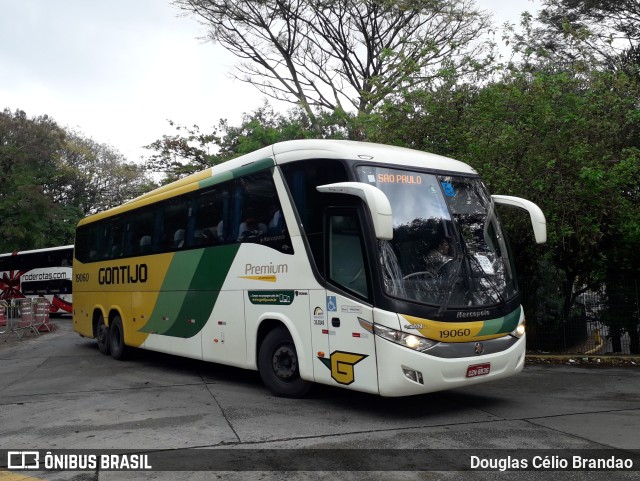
x=399, y=179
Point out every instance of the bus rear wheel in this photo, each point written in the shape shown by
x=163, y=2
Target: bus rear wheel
x=116, y=339
x=278, y=365
x=102, y=335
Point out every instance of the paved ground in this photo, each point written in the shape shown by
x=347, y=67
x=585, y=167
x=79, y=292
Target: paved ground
x=58, y=392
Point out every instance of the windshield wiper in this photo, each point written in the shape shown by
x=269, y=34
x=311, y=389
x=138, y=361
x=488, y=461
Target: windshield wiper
x=452, y=280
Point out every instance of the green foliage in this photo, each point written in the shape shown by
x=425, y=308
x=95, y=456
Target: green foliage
x=580, y=35
x=567, y=141
x=50, y=178
x=185, y=152
x=261, y=128
x=563, y=141
x=29, y=153
x=190, y=150
x=95, y=177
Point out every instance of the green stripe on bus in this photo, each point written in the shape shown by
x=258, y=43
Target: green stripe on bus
x=502, y=324
x=190, y=290
x=215, y=179
x=173, y=291
x=204, y=289
x=253, y=167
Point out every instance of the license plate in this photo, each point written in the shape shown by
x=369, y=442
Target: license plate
x=478, y=370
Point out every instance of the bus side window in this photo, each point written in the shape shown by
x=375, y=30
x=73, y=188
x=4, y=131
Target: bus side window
x=145, y=244
x=346, y=260
x=176, y=215
x=114, y=239
x=140, y=233
x=178, y=239
x=276, y=224
x=209, y=211
x=302, y=179
x=261, y=219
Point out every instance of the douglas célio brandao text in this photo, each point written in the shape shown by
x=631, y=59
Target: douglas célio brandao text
x=551, y=463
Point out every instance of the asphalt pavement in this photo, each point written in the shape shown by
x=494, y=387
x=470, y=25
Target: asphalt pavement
x=57, y=392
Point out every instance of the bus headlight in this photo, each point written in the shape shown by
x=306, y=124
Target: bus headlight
x=519, y=330
x=411, y=341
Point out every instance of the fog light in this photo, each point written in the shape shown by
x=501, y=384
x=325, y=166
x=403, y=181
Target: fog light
x=413, y=375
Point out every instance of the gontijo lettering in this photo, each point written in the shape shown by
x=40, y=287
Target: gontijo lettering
x=123, y=274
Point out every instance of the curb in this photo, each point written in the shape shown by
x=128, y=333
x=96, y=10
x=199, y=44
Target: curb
x=607, y=360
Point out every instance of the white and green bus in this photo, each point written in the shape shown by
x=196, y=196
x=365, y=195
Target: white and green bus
x=375, y=268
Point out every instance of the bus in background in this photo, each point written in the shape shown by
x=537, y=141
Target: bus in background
x=39, y=273
x=374, y=268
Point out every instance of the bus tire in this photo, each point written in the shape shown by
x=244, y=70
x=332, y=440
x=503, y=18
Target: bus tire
x=116, y=339
x=278, y=365
x=102, y=335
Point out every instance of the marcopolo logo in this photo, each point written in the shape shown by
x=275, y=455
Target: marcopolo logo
x=468, y=314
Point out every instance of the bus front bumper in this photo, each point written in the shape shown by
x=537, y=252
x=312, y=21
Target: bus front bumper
x=405, y=372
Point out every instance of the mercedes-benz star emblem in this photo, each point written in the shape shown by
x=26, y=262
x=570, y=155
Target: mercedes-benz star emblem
x=479, y=348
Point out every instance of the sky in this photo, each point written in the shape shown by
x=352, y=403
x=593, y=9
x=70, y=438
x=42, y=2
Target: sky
x=117, y=71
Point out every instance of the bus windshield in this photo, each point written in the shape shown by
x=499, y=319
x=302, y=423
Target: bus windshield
x=448, y=247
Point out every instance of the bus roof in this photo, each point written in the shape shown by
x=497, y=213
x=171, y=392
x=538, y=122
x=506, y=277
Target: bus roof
x=36, y=251
x=290, y=151
x=365, y=151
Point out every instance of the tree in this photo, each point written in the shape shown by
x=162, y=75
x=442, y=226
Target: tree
x=29, y=150
x=560, y=138
x=190, y=150
x=622, y=274
x=583, y=33
x=344, y=55
x=183, y=153
x=97, y=177
x=50, y=178
x=567, y=141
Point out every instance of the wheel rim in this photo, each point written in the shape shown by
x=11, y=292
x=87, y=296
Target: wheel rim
x=285, y=362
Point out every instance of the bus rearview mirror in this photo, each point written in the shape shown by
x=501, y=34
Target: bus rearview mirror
x=376, y=201
x=538, y=221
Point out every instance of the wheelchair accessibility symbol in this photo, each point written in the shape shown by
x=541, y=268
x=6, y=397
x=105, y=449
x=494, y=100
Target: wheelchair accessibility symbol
x=449, y=191
x=331, y=303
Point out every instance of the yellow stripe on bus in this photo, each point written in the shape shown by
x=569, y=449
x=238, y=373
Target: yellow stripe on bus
x=449, y=331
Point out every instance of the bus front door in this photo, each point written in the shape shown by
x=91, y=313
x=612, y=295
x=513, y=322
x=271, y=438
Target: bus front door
x=351, y=356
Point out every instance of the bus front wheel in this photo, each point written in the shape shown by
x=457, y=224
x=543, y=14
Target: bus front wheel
x=116, y=339
x=278, y=365
x=102, y=335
